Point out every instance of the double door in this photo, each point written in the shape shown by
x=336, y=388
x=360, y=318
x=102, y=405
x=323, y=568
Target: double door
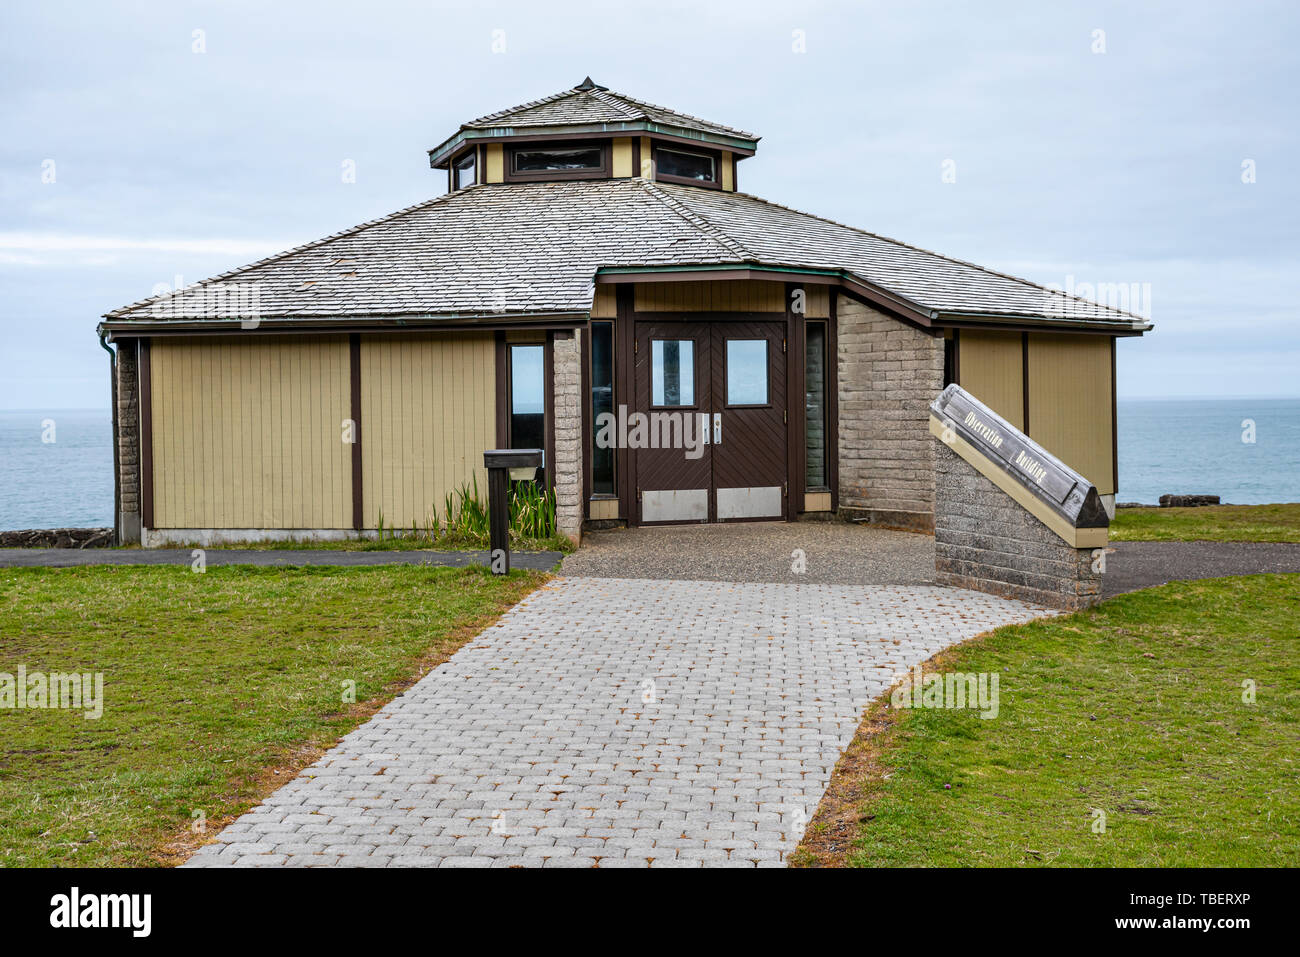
x=713, y=400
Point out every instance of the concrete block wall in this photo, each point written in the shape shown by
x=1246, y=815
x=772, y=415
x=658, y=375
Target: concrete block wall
x=889, y=373
x=567, y=392
x=984, y=540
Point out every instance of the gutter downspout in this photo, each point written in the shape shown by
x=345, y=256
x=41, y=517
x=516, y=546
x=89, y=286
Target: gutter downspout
x=117, y=470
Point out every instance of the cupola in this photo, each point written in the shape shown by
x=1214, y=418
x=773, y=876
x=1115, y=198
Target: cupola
x=591, y=132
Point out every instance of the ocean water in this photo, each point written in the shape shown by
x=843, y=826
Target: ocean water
x=64, y=483
x=1196, y=447
x=1183, y=446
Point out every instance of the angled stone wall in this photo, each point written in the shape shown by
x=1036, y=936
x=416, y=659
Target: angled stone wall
x=986, y=541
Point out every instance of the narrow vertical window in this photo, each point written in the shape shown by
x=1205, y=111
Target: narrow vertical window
x=815, y=406
x=602, y=401
x=527, y=397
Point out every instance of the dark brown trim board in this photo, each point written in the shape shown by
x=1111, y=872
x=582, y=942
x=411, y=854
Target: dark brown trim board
x=795, y=450
x=1114, y=424
x=354, y=376
x=833, y=402
x=584, y=411
x=624, y=332
x=146, y=436
x=502, y=392
x=548, y=365
x=1024, y=381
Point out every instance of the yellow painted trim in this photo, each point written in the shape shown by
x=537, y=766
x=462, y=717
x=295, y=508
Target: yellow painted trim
x=817, y=501
x=622, y=159
x=603, y=509
x=1074, y=537
x=496, y=164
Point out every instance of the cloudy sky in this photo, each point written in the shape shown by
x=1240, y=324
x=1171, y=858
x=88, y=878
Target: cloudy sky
x=1091, y=143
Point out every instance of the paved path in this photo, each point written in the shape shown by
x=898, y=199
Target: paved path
x=1135, y=565
x=535, y=744
x=69, y=557
x=836, y=553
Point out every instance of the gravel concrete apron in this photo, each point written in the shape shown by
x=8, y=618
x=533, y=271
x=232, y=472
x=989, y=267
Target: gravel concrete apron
x=615, y=722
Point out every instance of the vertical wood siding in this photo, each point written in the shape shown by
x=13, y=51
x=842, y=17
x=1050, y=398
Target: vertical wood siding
x=621, y=163
x=719, y=295
x=248, y=432
x=1070, y=402
x=604, y=302
x=992, y=369
x=428, y=411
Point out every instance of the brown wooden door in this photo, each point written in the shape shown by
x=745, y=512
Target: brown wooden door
x=673, y=390
x=749, y=417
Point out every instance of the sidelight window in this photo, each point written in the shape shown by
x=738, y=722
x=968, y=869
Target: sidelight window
x=815, y=475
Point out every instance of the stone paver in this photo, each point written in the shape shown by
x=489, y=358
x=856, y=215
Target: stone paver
x=615, y=722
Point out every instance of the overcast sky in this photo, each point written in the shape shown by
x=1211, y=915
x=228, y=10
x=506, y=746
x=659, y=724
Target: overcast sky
x=1071, y=165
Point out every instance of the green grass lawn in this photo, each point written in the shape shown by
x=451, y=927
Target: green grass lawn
x=1214, y=523
x=211, y=683
x=1134, y=709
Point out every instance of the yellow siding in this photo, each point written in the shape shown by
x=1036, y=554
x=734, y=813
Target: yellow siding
x=248, y=432
x=604, y=303
x=495, y=165
x=603, y=509
x=428, y=410
x=647, y=159
x=723, y=295
x=1070, y=402
x=728, y=178
x=817, y=302
x=991, y=368
x=622, y=159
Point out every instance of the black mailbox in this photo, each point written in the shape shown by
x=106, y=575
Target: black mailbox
x=967, y=425
x=499, y=462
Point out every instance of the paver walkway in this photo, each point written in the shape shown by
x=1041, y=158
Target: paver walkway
x=615, y=722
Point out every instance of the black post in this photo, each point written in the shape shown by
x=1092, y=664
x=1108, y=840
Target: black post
x=499, y=462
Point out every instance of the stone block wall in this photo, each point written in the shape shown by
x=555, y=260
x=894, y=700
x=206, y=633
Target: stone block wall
x=986, y=541
x=567, y=386
x=128, y=437
x=889, y=373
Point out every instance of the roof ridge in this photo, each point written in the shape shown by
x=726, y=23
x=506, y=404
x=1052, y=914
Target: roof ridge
x=696, y=220
x=698, y=119
x=522, y=106
x=943, y=256
x=283, y=253
x=619, y=102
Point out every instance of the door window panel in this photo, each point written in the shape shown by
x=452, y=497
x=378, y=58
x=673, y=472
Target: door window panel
x=746, y=372
x=672, y=372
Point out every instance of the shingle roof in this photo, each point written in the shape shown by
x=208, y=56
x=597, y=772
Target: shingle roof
x=590, y=107
x=596, y=104
x=533, y=248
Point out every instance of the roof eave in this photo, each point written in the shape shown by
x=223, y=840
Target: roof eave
x=338, y=322
x=1132, y=326
x=441, y=154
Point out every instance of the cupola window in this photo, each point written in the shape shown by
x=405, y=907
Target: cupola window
x=563, y=161
x=686, y=166
x=466, y=170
